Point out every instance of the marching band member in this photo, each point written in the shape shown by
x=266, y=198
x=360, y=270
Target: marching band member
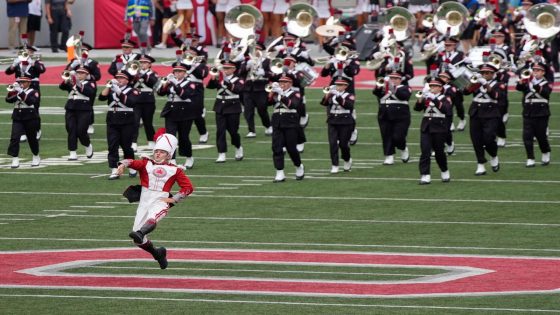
x=285, y=126
x=456, y=97
x=25, y=118
x=146, y=80
x=79, y=108
x=196, y=73
x=179, y=110
x=433, y=129
x=94, y=73
x=121, y=98
x=121, y=60
x=401, y=62
x=256, y=73
x=499, y=48
x=228, y=109
x=450, y=56
x=393, y=115
x=339, y=102
x=31, y=68
x=536, y=113
x=484, y=115
x=432, y=43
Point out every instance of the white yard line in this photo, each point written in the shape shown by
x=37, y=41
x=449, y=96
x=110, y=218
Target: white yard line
x=92, y=206
x=65, y=210
x=10, y=219
x=335, y=245
x=227, y=184
x=259, y=302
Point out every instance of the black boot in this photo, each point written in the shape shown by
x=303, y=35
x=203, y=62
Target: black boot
x=138, y=236
x=161, y=257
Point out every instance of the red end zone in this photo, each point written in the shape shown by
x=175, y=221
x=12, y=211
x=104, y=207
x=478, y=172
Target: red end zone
x=492, y=274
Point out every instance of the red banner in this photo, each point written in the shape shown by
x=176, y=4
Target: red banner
x=110, y=26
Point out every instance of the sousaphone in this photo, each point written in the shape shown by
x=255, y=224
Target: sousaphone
x=400, y=21
x=542, y=20
x=243, y=20
x=451, y=18
x=300, y=18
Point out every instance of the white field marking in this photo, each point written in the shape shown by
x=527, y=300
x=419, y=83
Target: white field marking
x=218, y=188
x=92, y=206
x=318, y=197
x=258, y=178
x=551, y=250
x=10, y=219
x=56, y=215
x=450, y=273
x=267, y=270
x=228, y=184
x=65, y=210
x=259, y=302
x=114, y=202
x=361, y=221
x=3, y=223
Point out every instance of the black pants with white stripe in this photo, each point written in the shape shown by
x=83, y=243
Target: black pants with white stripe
x=339, y=137
x=229, y=123
x=428, y=142
x=483, y=137
x=119, y=135
x=24, y=127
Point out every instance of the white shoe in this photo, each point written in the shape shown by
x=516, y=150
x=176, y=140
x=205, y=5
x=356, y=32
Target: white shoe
x=90, y=130
x=132, y=173
x=425, y=180
x=405, y=156
x=334, y=169
x=452, y=127
x=280, y=177
x=348, y=165
x=353, y=137
x=134, y=146
x=203, y=138
x=203, y=112
x=89, y=151
x=160, y=46
x=221, y=158
x=461, y=125
x=501, y=142
x=36, y=160
x=39, y=133
x=445, y=176
x=480, y=170
x=268, y=131
x=389, y=160
x=303, y=121
x=450, y=148
x=495, y=163
x=300, y=147
x=545, y=159
x=15, y=162
x=239, y=154
x=251, y=135
x=22, y=138
x=530, y=163
x=73, y=156
x=189, y=163
x=300, y=172
x=114, y=174
x=151, y=145
x=505, y=118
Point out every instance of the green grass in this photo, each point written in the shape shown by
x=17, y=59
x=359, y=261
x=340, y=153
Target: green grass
x=373, y=208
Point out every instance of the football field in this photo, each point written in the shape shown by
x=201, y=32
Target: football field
x=368, y=241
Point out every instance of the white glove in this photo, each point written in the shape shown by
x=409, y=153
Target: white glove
x=482, y=81
x=260, y=72
x=426, y=89
x=74, y=64
x=16, y=62
x=429, y=95
x=277, y=90
x=333, y=61
x=226, y=79
x=483, y=90
x=250, y=63
x=115, y=88
x=304, y=54
x=467, y=60
x=275, y=85
x=18, y=88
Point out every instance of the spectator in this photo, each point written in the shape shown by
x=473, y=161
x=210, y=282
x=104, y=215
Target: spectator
x=140, y=15
x=169, y=10
x=17, y=14
x=185, y=8
x=58, y=16
x=158, y=27
x=34, y=20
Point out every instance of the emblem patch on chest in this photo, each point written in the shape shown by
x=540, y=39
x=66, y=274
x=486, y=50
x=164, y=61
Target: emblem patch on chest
x=159, y=172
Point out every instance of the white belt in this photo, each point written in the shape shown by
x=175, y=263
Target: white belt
x=484, y=100
x=121, y=109
x=228, y=97
x=340, y=111
x=146, y=89
x=396, y=102
x=181, y=101
x=78, y=97
x=195, y=80
x=434, y=115
x=284, y=110
x=541, y=101
x=24, y=106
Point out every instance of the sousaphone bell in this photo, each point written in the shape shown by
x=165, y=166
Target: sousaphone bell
x=451, y=18
x=243, y=20
x=542, y=20
x=300, y=18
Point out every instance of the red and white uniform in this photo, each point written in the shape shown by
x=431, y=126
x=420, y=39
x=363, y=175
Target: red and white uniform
x=157, y=179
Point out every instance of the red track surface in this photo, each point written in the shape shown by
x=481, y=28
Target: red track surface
x=507, y=274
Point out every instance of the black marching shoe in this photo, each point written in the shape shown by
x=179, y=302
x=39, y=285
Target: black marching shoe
x=137, y=236
x=161, y=257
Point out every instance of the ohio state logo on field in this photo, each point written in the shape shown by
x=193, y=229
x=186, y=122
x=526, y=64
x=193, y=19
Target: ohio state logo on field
x=159, y=172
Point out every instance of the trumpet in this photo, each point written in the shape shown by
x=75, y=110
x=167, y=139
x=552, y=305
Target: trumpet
x=474, y=79
x=277, y=66
x=66, y=75
x=326, y=89
x=380, y=82
x=109, y=84
x=11, y=88
x=214, y=71
x=495, y=60
x=271, y=86
x=322, y=60
x=526, y=74
x=419, y=95
x=23, y=55
x=192, y=59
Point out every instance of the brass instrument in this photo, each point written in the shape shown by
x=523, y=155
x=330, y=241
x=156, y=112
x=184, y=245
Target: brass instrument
x=23, y=55
x=269, y=87
x=191, y=59
x=542, y=20
x=11, y=88
x=380, y=82
x=474, y=79
x=277, y=66
x=400, y=21
x=242, y=20
x=451, y=18
x=173, y=23
x=432, y=50
x=109, y=84
x=322, y=60
x=214, y=71
x=419, y=95
x=376, y=62
x=495, y=60
x=526, y=74
x=133, y=67
x=66, y=75
x=300, y=18
x=326, y=90
x=342, y=53
x=428, y=21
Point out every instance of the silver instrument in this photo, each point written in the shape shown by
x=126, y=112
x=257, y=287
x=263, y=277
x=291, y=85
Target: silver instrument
x=300, y=19
x=400, y=21
x=451, y=18
x=542, y=20
x=308, y=74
